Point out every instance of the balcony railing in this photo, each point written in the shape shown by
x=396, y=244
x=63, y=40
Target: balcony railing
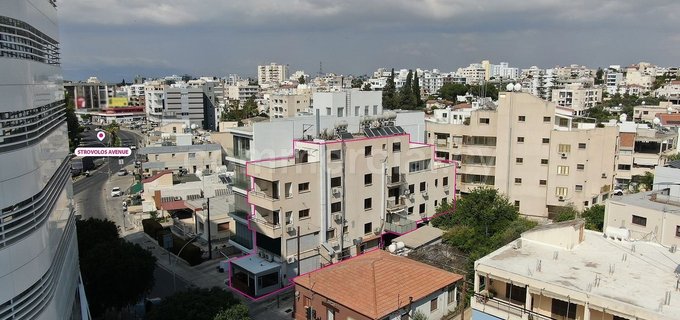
x=263, y=195
x=269, y=224
x=508, y=307
x=442, y=143
x=400, y=227
x=396, y=180
x=396, y=205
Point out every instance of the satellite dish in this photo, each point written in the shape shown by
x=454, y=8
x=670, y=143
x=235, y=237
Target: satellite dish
x=392, y=248
x=193, y=126
x=670, y=109
x=184, y=126
x=643, y=103
x=509, y=87
x=518, y=87
x=623, y=117
x=656, y=121
x=400, y=245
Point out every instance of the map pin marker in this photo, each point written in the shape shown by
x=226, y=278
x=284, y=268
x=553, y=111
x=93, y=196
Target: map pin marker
x=101, y=135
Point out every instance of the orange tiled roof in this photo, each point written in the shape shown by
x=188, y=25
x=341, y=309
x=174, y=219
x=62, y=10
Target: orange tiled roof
x=376, y=283
x=156, y=176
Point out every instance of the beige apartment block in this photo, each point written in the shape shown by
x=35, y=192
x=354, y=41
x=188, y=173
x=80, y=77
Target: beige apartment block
x=641, y=149
x=561, y=271
x=535, y=152
x=337, y=195
x=577, y=97
x=192, y=158
x=288, y=105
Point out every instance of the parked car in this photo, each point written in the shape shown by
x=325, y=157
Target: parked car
x=617, y=192
x=116, y=192
x=122, y=172
x=133, y=147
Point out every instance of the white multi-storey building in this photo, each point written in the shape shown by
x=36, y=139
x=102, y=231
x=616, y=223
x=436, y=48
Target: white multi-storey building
x=272, y=73
x=349, y=102
x=39, y=272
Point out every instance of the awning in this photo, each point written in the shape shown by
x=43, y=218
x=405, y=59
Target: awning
x=174, y=205
x=137, y=187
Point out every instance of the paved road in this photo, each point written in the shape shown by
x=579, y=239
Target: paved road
x=164, y=285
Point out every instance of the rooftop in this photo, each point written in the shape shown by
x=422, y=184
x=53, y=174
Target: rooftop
x=420, y=237
x=376, y=283
x=637, y=274
x=178, y=149
x=650, y=200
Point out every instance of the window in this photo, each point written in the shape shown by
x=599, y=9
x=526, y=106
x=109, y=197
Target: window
x=336, y=182
x=515, y=293
x=641, y=221
x=519, y=160
x=546, y=119
x=546, y=140
x=562, y=170
x=157, y=157
x=289, y=217
x=564, y=148
x=422, y=208
x=581, y=145
x=451, y=294
x=433, y=304
x=396, y=147
x=578, y=187
x=517, y=204
x=367, y=151
x=302, y=187
x=544, y=161
x=368, y=179
x=563, y=310
x=173, y=155
x=288, y=189
x=520, y=139
x=368, y=203
x=435, y=203
x=561, y=191
x=436, y=182
x=580, y=166
x=484, y=120
x=625, y=167
x=542, y=182
x=192, y=155
x=518, y=180
x=330, y=234
x=384, y=147
x=335, y=155
x=521, y=118
x=445, y=181
x=330, y=315
x=409, y=210
x=677, y=231
x=415, y=166
x=368, y=228
x=423, y=186
x=411, y=188
x=304, y=213
x=336, y=207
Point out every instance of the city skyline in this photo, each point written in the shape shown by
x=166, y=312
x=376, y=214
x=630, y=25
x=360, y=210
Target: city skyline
x=215, y=38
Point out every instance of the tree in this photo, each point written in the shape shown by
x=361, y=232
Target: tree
x=487, y=90
x=566, y=213
x=236, y=312
x=357, y=83
x=197, y=304
x=112, y=129
x=451, y=91
x=673, y=157
x=406, y=97
x=367, y=87
x=598, y=76
x=389, y=93
x=647, y=180
x=86, y=117
x=416, y=92
x=301, y=79
x=419, y=315
x=599, y=113
x=594, y=217
x=73, y=127
x=115, y=273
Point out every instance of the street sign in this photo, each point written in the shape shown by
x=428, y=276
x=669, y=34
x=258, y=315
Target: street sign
x=167, y=241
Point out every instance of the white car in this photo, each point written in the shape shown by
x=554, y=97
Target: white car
x=122, y=172
x=133, y=147
x=617, y=192
x=116, y=192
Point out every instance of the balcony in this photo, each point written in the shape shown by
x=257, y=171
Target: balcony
x=400, y=227
x=263, y=199
x=394, y=205
x=396, y=180
x=241, y=183
x=442, y=143
x=269, y=228
x=503, y=309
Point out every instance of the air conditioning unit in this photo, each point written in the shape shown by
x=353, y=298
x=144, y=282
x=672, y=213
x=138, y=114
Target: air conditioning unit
x=336, y=190
x=290, y=229
x=455, y=145
x=268, y=257
x=563, y=155
x=290, y=259
x=337, y=216
x=335, y=244
x=560, y=198
x=406, y=192
x=424, y=193
x=604, y=176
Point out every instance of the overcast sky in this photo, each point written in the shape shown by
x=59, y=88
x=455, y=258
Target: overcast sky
x=116, y=39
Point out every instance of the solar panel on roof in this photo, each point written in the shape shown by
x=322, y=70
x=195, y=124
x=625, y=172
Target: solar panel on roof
x=399, y=129
x=383, y=132
x=346, y=136
x=391, y=130
x=368, y=133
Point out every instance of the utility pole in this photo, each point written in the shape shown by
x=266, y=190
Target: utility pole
x=298, y=250
x=209, y=238
x=463, y=295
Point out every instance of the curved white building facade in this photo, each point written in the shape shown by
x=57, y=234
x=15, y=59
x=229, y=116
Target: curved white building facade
x=39, y=273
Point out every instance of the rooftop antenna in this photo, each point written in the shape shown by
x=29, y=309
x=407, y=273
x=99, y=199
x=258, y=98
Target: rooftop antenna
x=320, y=69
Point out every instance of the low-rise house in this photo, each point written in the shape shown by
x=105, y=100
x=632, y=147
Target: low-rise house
x=376, y=285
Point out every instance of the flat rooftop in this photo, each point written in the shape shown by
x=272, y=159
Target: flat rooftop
x=642, y=271
x=644, y=200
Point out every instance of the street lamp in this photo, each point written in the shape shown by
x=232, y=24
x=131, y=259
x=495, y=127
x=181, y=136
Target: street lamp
x=174, y=268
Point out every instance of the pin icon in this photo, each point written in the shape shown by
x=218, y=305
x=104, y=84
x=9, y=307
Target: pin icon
x=101, y=135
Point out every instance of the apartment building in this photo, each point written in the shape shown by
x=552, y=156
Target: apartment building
x=194, y=104
x=39, y=271
x=272, y=73
x=191, y=158
x=561, y=271
x=284, y=105
x=376, y=286
x=154, y=100
x=242, y=91
x=577, y=97
x=348, y=102
x=641, y=149
x=335, y=195
x=474, y=73
x=613, y=80
x=531, y=150
x=88, y=95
